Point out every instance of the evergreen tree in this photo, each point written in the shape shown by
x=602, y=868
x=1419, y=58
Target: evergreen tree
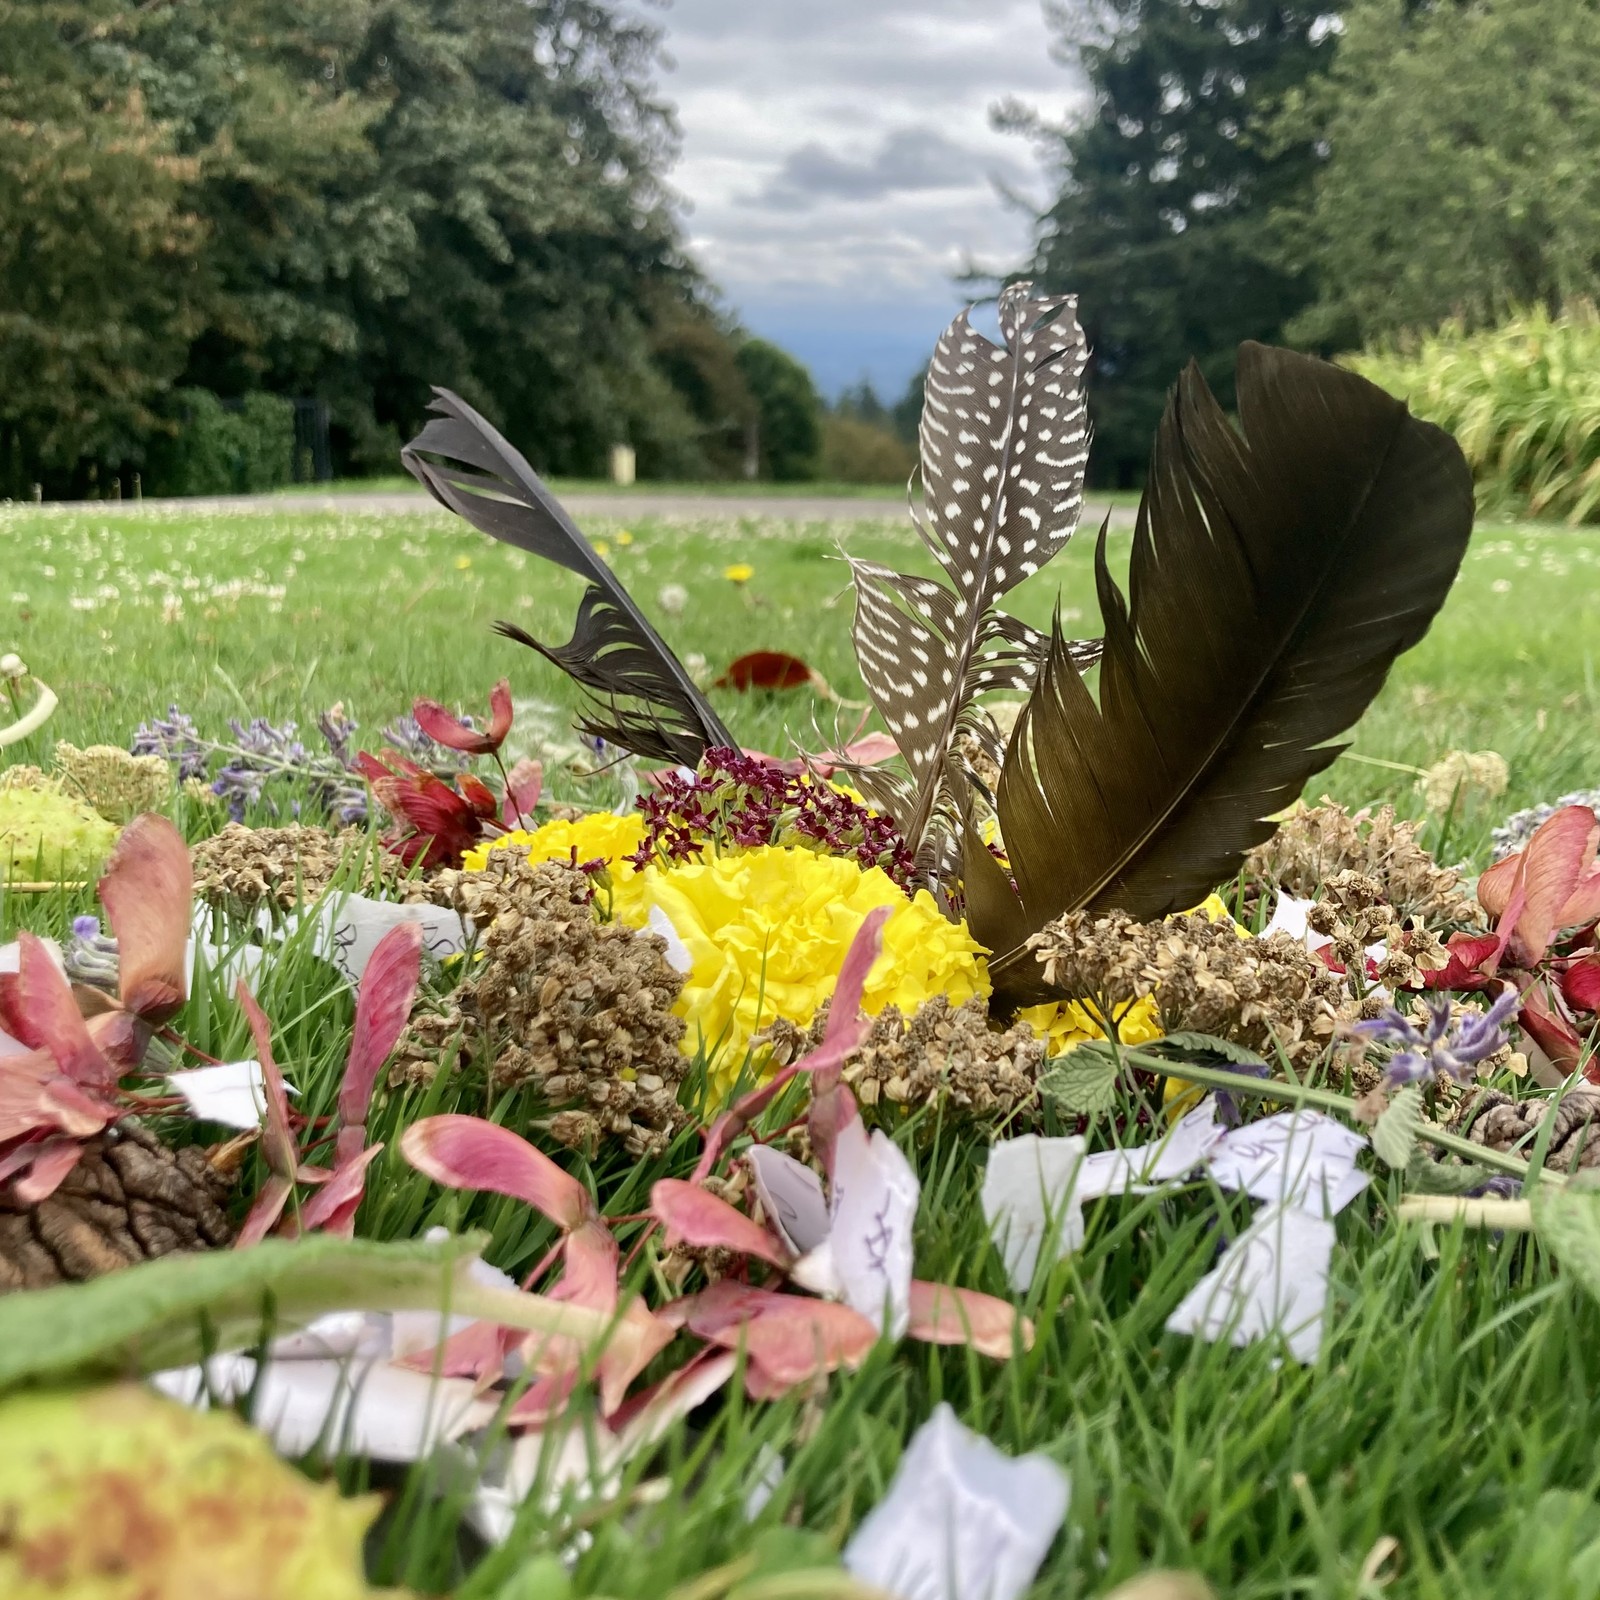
x=1161, y=225
x=788, y=411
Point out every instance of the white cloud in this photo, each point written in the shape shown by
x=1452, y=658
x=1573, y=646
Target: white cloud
x=839, y=167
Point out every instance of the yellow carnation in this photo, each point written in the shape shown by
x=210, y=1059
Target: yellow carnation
x=600, y=835
x=767, y=930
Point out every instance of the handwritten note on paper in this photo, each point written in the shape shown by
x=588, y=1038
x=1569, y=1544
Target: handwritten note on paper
x=230, y=1093
x=1273, y=1279
x=360, y=923
x=962, y=1520
x=1028, y=1189
x=866, y=1258
x=791, y=1197
x=1188, y=1143
x=1297, y=1158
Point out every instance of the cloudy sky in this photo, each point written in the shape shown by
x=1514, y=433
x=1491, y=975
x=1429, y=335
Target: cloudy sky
x=839, y=168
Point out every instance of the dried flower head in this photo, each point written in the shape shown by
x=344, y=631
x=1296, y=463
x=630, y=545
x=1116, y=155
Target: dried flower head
x=242, y=868
x=117, y=784
x=944, y=1054
x=1317, y=843
x=1460, y=777
x=1268, y=994
x=580, y=1009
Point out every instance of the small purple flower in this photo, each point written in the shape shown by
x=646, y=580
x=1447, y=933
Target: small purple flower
x=174, y=738
x=1442, y=1049
x=85, y=927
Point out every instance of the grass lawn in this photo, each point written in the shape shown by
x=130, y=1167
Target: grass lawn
x=1442, y=1446
x=403, y=482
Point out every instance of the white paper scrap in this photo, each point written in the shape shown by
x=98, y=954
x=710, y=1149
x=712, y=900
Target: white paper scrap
x=961, y=1520
x=1186, y=1145
x=1028, y=1188
x=360, y=923
x=791, y=1197
x=1295, y=1158
x=1273, y=1279
x=866, y=1258
x=678, y=957
x=231, y=1093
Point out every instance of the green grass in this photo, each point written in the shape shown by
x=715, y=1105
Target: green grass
x=720, y=487
x=1451, y=1409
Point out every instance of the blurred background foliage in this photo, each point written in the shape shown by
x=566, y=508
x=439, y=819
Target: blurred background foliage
x=345, y=201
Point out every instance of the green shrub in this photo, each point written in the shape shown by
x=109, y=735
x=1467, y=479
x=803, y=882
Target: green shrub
x=1523, y=400
x=218, y=448
x=859, y=452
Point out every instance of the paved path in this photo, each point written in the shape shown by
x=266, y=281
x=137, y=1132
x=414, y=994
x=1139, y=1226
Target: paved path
x=658, y=504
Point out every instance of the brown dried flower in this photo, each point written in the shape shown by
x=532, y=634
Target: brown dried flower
x=952, y=1055
x=1318, y=843
x=242, y=868
x=582, y=1009
x=1268, y=994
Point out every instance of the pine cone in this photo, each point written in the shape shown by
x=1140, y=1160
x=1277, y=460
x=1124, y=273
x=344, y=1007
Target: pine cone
x=129, y=1199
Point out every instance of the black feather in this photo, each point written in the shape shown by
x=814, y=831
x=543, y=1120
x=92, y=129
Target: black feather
x=1277, y=571
x=613, y=653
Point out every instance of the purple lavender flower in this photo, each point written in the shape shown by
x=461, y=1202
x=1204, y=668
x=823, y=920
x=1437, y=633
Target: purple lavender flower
x=1443, y=1049
x=174, y=738
x=85, y=927
x=406, y=735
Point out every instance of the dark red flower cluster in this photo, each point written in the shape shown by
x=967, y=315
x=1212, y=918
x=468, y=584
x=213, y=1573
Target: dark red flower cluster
x=737, y=800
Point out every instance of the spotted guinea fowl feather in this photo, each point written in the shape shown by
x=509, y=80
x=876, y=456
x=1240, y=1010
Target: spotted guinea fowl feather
x=642, y=698
x=1004, y=442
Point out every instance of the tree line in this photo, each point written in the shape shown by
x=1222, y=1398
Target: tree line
x=354, y=200
x=1329, y=174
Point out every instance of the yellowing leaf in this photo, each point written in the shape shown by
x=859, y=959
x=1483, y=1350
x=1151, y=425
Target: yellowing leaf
x=116, y=1494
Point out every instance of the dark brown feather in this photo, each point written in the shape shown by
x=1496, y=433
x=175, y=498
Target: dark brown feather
x=1276, y=574
x=614, y=653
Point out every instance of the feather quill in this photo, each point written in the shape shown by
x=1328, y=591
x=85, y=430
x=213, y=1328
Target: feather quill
x=1004, y=442
x=641, y=698
x=1277, y=571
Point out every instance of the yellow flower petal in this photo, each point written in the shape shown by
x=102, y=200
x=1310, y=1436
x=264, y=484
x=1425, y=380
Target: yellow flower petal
x=599, y=836
x=739, y=572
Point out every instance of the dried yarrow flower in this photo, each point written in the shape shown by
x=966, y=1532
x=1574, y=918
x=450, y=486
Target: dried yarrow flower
x=117, y=784
x=241, y=868
x=952, y=1056
x=1267, y=994
x=1317, y=843
x=735, y=800
x=579, y=1009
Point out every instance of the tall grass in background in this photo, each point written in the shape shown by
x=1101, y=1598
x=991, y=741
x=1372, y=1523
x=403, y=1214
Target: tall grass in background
x=1523, y=399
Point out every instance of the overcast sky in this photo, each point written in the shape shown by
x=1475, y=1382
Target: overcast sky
x=838, y=164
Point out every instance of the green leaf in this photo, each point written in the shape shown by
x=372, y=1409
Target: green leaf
x=1205, y=1044
x=167, y=1313
x=1082, y=1082
x=1427, y=1176
x=542, y=1578
x=1567, y=1221
x=1394, y=1137
x=793, y=1553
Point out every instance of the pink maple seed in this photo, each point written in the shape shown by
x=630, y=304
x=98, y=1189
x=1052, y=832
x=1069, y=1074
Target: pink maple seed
x=454, y=734
x=49, y=1014
x=694, y=1216
x=524, y=785
x=941, y=1314
x=148, y=892
x=277, y=1138
x=333, y=1207
x=463, y=1152
x=388, y=987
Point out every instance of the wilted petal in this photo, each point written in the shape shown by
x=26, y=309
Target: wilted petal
x=383, y=1008
x=277, y=1138
x=46, y=1016
x=622, y=1361
x=1544, y=1023
x=692, y=1215
x=36, y=1099
x=961, y=1519
x=1271, y=1280
x=263, y=1216
x=454, y=734
x=1028, y=1189
x=1580, y=984
x=793, y=1339
x=49, y=1162
x=147, y=890
x=1556, y=859
x=333, y=1207
x=524, y=785
x=463, y=1152
x=941, y=1314
x=590, y=1278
